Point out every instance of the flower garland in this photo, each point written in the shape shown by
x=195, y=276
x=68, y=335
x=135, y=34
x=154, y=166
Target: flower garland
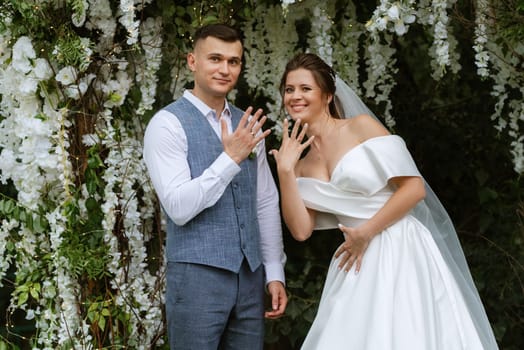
x=319, y=37
x=124, y=171
x=346, y=46
x=101, y=19
x=127, y=19
x=263, y=68
x=380, y=67
x=388, y=18
x=493, y=61
x=481, y=39
x=151, y=40
x=509, y=111
x=443, y=53
x=133, y=284
x=394, y=17
x=36, y=160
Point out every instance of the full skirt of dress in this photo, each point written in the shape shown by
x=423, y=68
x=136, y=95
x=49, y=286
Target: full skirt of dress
x=403, y=298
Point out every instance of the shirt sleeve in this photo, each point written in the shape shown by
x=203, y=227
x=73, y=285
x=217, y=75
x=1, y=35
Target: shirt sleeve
x=269, y=220
x=165, y=155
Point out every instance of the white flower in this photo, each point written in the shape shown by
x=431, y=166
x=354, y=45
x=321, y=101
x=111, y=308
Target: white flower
x=66, y=76
x=400, y=28
x=393, y=12
x=381, y=23
x=30, y=314
x=28, y=86
x=42, y=69
x=409, y=18
x=72, y=91
x=127, y=9
x=23, y=52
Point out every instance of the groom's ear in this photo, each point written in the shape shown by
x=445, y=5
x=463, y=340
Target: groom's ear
x=191, y=61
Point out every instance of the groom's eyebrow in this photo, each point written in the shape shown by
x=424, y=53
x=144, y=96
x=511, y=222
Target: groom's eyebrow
x=224, y=57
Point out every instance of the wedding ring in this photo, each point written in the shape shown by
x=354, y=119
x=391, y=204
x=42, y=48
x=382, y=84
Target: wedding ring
x=252, y=134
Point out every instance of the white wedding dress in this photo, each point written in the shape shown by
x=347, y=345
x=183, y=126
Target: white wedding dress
x=404, y=296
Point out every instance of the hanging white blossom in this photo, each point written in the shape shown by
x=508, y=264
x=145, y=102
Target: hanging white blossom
x=393, y=16
x=266, y=53
x=127, y=19
x=146, y=74
x=346, y=48
x=319, y=36
x=481, y=38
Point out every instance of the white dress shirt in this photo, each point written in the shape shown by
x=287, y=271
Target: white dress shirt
x=165, y=155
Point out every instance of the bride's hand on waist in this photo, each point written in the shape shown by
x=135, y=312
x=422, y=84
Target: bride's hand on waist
x=353, y=249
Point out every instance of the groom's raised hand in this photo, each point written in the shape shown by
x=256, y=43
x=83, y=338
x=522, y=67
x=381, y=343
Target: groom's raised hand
x=239, y=144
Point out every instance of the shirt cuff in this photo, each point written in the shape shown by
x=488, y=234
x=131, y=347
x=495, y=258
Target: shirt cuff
x=226, y=167
x=275, y=272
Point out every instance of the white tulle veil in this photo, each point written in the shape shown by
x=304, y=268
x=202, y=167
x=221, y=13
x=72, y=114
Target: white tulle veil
x=434, y=216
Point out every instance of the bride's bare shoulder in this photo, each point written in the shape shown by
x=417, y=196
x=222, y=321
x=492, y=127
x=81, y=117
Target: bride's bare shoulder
x=366, y=127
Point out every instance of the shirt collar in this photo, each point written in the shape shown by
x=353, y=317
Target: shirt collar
x=205, y=109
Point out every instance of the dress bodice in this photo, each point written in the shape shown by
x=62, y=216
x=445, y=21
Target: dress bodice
x=358, y=186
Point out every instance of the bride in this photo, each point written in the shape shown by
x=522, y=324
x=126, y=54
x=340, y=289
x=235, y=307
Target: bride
x=400, y=280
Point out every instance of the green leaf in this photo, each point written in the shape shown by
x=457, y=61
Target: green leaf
x=20, y=215
x=91, y=204
x=34, y=293
x=9, y=206
x=22, y=288
x=102, y=323
x=39, y=224
x=22, y=298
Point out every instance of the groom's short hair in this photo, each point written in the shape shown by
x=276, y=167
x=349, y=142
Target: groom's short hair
x=217, y=30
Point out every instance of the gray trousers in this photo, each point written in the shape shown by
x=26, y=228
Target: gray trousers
x=209, y=308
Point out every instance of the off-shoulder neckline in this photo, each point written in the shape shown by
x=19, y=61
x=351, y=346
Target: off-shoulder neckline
x=346, y=154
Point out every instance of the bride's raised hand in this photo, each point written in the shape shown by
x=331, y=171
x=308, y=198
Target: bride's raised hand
x=353, y=249
x=291, y=147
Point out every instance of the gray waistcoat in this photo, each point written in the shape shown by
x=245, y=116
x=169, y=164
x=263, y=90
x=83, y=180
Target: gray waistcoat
x=226, y=233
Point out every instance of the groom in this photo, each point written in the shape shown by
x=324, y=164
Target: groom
x=224, y=239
